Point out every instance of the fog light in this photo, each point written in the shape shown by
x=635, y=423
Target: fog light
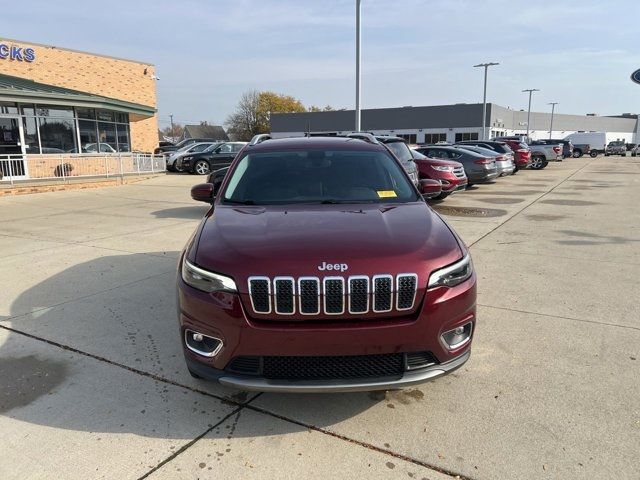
x=457, y=337
x=202, y=344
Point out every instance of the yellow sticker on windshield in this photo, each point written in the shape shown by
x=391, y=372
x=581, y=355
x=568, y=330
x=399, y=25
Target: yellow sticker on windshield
x=386, y=194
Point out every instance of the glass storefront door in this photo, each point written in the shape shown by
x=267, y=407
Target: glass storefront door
x=11, y=148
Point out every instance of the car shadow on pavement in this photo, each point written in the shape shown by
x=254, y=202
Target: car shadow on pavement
x=95, y=348
x=194, y=212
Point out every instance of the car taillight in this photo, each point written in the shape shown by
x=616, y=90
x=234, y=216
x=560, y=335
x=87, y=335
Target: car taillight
x=556, y=149
x=484, y=161
x=500, y=158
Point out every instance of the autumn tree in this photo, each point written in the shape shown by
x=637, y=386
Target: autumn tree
x=253, y=112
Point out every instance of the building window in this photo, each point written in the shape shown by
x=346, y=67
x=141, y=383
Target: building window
x=30, y=128
x=88, y=135
x=107, y=137
x=461, y=137
x=124, y=142
x=408, y=137
x=57, y=135
x=435, y=137
x=6, y=107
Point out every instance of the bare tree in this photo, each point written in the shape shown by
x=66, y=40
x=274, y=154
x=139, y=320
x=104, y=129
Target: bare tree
x=243, y=123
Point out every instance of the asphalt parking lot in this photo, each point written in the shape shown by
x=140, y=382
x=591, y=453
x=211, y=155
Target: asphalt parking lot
x=93, y=384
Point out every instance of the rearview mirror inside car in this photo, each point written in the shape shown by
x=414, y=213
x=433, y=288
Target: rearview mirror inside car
x=430, y=188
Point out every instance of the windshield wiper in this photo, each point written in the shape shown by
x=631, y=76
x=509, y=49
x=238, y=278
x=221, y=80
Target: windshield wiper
x=240, y=202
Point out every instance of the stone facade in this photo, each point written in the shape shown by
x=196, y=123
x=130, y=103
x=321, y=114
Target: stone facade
x=121, y=79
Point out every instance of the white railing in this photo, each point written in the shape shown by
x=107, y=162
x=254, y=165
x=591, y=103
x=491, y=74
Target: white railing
x=66, y=166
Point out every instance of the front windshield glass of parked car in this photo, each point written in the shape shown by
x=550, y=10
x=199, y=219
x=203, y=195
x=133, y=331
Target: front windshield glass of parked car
x=400, y=150
x=291, y=177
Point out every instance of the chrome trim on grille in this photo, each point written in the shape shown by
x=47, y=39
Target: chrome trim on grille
x=392, y=298
x=358, y=277
x=324, y=292
x=390, y=278
x=293, y=294
x=317, y=281
x=268, y=280
x=459, y=172
x=413, y=300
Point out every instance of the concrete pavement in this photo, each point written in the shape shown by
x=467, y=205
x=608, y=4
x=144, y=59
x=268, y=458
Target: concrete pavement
x=93, y=384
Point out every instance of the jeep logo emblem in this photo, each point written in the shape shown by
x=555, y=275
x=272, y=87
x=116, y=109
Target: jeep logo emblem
x=342, y=267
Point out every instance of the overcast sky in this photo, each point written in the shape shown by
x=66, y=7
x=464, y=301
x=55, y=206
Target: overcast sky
x=415, y=52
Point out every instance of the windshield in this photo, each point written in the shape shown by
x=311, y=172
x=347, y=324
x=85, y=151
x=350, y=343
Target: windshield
x=400, y=150
x=316, y=176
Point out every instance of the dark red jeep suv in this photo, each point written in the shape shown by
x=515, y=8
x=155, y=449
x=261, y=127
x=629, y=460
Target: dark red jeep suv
x=321, y=268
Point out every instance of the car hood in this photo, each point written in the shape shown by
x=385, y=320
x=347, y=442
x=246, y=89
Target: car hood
x=294, y=240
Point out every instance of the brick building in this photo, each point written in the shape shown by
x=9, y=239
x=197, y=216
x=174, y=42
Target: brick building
x=60, y=101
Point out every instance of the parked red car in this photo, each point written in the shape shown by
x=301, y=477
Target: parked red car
x=323, y=269
x=450, y=174
x=521, y=153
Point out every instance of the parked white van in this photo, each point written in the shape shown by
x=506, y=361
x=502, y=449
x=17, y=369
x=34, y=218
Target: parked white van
x=597, y=141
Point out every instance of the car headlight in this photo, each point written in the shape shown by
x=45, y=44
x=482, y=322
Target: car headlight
x=442, y=168
x=453, y=274
x=206, y=281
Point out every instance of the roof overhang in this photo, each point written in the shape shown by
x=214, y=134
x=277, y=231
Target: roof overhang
x=15, y=89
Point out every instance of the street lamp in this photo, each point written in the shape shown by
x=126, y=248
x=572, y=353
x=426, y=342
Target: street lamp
x=358, y=65
x=530, y=90
x=484, y=98
x=553, y=108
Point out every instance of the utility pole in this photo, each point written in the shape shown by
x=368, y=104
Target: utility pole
x=553, y=108
x=358, y=39
x=484, y=98
x=530, y=90
x=172, y=130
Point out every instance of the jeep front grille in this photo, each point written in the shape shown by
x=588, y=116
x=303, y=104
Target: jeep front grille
x=355, y=295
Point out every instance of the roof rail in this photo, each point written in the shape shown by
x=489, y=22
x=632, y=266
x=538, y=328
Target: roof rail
x=259, y=139
x=366, y=136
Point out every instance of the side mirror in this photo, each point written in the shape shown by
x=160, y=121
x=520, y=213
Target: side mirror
x=203, y=192
x=430, y=188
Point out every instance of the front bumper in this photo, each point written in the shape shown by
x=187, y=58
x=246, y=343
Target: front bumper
x=409, y=378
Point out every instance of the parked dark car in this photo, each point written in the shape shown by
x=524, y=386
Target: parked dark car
x=496, y=146
x=478, y=168
x=204, y=162
x=449, y=173
x=307, y=278
x=179, y=145
x=631, y=146
x=398, y=147
x=580, y=149
x=504, y=163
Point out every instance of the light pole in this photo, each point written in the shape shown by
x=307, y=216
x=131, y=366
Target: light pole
x=530, y=90
x=484, y=98
x=358, y=65
x=553, y=108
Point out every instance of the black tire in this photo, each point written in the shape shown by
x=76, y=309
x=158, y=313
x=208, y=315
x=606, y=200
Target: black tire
x=442, y=196
x=171, y=168
x=538, y=162
x=194, y=375
x=606, y=154
x=577, y=153
x=201, y=167
x=624, y=154
x=593, y=153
